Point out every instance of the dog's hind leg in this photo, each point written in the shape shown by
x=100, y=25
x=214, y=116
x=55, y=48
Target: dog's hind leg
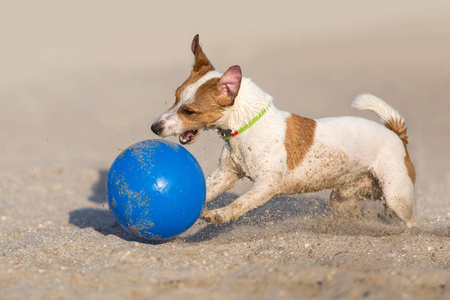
x=346, y=199
x=398, y=191
x=344, y=203
x=400, y=199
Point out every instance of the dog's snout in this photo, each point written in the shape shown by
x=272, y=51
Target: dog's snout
x=156, y=128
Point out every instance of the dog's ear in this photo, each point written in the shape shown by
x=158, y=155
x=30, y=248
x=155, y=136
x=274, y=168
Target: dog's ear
x=229, y=85
x=201, y=61
x=195, y=44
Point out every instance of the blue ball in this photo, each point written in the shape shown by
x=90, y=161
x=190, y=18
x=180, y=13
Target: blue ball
x=156, y=189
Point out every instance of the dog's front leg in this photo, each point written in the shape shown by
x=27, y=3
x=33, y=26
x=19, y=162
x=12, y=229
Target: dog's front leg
x=223, y=178
x=258, y=195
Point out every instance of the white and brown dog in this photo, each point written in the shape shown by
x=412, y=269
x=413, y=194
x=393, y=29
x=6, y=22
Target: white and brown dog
x=283, y=153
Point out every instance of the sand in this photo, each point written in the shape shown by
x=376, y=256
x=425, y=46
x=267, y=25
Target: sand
x=81, y=82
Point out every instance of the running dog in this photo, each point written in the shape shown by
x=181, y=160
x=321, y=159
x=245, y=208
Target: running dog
x=283, y=153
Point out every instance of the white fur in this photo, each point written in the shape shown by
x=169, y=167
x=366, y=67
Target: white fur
x=187, y=96
x=250, y=101
x=375, y=104
x=344, y=150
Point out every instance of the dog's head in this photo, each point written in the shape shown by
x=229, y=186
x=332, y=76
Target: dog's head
x=200, y=101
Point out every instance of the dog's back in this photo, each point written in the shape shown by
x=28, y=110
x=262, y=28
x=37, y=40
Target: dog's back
x=352, y=154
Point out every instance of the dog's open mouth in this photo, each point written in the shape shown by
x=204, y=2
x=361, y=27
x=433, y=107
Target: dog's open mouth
x=188, y=137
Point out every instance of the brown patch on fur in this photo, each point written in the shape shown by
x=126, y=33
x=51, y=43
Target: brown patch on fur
x=206, y=108
x=398, y=126
x=410, y=167
x=299, y=138
x=201, y=61
x=201, y=67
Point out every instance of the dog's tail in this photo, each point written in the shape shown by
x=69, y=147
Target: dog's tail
x=391, y=118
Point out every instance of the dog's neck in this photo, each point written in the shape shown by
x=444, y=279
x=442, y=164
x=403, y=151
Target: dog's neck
x=249, y=103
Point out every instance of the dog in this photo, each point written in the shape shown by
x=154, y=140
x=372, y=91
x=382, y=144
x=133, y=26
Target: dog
x=283, y=153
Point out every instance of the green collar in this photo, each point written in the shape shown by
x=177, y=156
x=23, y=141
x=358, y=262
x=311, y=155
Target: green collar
x=228, y=134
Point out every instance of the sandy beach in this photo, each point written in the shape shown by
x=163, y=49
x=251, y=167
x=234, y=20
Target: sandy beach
x=81, y=82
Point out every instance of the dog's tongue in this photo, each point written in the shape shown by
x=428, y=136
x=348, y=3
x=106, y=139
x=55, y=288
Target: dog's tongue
x=188, y=136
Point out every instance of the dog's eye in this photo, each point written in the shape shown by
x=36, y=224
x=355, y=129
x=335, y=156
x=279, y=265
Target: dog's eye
x=188, y=112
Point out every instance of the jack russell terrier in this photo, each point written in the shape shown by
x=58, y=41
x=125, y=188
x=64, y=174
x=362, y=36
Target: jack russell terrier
x=283, y=153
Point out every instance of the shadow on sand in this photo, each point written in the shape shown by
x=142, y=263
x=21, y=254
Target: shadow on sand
x=101, y=220
x=278, y=209
x=306, y=212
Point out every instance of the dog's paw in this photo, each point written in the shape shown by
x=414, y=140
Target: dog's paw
x=216, y=216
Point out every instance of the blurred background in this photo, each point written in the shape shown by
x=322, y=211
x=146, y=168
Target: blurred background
x=82, y=80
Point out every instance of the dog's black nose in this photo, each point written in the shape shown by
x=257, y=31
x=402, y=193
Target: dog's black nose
x=156, y=128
